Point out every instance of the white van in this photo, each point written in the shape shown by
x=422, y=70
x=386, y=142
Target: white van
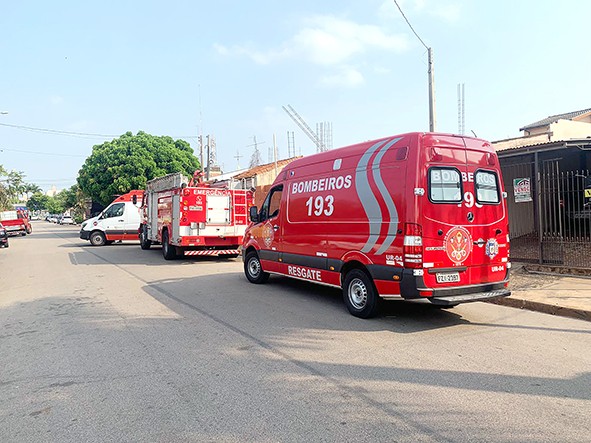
x=118, y=221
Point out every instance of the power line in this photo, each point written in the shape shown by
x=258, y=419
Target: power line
x=73, y=134
x=42, y=153
x=57, y=132
x=410, y=26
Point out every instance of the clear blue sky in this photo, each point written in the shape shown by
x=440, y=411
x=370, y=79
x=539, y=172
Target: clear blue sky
x=226, y=68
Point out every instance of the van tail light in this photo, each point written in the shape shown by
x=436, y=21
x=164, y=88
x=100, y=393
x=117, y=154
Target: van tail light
x=412, y=250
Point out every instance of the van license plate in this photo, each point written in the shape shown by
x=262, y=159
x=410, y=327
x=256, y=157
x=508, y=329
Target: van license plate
x=448, y=278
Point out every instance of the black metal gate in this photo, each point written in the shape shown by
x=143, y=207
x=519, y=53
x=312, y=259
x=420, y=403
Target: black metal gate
x=549, y=213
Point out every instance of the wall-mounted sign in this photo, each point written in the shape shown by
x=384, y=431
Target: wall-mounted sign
x=522, y=190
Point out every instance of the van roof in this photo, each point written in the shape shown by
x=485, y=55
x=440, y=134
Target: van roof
x=352, y=149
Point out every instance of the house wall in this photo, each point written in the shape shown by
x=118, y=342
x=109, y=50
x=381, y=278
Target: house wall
x=509, y=143
x=567, y=129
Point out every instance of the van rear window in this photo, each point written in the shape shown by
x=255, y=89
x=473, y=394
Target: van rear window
x=487, y=188
x=445, y=185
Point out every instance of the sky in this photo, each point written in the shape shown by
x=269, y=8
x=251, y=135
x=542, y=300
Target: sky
x=226, y=69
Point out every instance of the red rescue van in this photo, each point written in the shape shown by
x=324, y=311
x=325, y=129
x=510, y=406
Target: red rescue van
x=417, y=216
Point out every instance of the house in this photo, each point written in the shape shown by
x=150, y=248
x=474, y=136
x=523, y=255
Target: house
x=547, y=176
x=260, y=178
x=559, y=127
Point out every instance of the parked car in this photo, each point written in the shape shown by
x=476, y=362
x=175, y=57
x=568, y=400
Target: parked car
x=67, y=220
x=3, y=237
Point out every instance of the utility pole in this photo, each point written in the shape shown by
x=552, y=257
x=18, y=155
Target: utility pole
x=237, y=157
x=200, y=138
x=432, y=117
x=208, y=159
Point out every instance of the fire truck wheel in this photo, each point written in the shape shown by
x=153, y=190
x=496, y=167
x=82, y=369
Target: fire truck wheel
x=144, y=242
x=168, y=250
x=97, y=238
x=253, y=269
x=360, y=295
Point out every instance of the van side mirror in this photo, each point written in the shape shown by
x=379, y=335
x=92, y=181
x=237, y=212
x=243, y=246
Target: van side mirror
x=254, y=214
x=134, y=199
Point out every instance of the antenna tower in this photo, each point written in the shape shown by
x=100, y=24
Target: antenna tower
x=461, y=115
x=291, y=149
x=316, y=139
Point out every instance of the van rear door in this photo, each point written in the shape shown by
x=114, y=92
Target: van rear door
x=489, y=228
x=460, y=218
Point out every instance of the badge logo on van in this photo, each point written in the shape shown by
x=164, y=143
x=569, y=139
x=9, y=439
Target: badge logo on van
x=268, y=234
x=458, y=244
x=492, y=247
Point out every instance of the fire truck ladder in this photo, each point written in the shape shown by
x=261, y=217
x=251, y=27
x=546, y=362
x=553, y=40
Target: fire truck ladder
x=170, y=181
x=240, y=208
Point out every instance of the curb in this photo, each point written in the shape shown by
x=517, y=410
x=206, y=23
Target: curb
x=561, y=311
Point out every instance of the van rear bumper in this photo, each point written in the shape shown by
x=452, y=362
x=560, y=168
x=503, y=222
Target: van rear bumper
x=450, y=300
x=412, y=287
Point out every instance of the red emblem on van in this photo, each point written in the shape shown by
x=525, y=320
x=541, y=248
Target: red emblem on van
x=458, y=244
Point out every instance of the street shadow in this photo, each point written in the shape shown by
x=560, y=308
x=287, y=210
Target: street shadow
x=325, y=303
x=67, y=355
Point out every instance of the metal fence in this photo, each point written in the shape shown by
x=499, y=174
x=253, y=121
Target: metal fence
x=551, y=225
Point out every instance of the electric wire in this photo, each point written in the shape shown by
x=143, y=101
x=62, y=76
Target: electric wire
x=410, y=26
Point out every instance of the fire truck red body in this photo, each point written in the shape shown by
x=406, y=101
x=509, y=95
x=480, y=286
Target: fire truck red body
x=193, y=218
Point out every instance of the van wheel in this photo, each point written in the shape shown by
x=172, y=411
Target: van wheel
x=253, y=269
x=360, y=295
x=168, y=250
x=144, y=242
x=97, y=238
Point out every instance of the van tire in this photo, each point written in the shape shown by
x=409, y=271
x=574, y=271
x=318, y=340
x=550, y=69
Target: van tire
x=360, y=295
x=97, y=238
x=253, y=269
x=144, y=242
x=168, y=250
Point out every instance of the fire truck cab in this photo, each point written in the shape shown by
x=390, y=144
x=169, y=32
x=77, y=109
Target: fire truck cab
x=417, y=216
x=118, y=221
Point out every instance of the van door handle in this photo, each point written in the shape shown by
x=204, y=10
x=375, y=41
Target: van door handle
x=120, y=220
x=275, y=227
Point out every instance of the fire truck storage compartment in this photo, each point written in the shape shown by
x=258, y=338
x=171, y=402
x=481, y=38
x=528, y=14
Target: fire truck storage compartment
x=218, y=209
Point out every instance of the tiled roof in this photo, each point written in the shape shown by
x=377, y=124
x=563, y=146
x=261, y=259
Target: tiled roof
x=261, y=169
x=553, y=118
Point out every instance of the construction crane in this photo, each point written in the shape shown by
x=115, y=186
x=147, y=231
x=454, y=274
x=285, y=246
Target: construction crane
x=320, y=146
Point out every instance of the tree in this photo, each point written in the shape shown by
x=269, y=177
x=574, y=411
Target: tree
x=12, y=186
x=38, y=202
x=128, y=162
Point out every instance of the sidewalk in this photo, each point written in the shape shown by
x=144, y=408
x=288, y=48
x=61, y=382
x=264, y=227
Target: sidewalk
x=544, y=289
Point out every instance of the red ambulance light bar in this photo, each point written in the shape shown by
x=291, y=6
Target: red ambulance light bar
x=412, y=249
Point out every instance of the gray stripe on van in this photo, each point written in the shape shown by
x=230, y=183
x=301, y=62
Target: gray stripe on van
x=377, y=175
x=368, y=200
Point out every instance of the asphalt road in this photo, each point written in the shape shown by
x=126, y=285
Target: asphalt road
x=114, y=344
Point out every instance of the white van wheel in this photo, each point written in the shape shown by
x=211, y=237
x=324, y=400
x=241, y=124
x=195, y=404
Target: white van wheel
x=360, y=295
x=253, y=269
x=97, y=238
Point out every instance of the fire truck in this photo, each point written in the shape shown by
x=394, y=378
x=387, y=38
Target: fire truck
x=193, y=217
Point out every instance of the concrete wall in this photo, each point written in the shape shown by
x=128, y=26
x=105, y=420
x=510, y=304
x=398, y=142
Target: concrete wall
x=567, y=129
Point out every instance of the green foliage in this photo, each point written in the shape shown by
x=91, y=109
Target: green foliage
x=38, y=202
x=54, y=206
x=12, y=187
x=128, y=162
